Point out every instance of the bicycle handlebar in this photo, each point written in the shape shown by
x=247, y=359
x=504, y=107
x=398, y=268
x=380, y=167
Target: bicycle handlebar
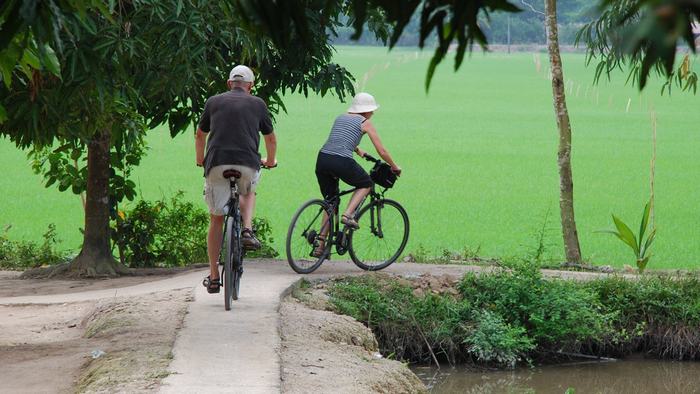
x=369, y=157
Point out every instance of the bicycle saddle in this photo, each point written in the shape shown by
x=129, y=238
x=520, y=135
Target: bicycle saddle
x=232, y=174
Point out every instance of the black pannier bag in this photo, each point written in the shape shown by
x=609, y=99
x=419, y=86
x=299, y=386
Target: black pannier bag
x=382, y=175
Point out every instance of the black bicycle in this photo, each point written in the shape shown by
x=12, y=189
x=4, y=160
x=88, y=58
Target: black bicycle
x=231, y=246
x=375, y=245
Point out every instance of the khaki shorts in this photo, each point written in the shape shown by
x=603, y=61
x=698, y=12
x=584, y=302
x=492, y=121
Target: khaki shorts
x=217, y=189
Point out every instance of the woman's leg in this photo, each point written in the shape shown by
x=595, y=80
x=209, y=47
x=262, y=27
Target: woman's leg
x=355, y=200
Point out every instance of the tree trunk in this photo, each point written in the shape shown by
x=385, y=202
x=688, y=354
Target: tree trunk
x=95, y=258
x=566, y=184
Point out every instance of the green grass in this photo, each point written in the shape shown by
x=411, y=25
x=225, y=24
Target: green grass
x=478, y=152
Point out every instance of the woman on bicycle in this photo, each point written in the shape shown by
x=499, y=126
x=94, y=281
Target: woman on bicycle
x=335, y=160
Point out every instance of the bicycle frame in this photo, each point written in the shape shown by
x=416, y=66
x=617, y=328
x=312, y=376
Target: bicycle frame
x=336, y=236
x=231, y=204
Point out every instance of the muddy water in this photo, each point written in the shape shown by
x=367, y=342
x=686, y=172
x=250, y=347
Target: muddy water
x=622, y=377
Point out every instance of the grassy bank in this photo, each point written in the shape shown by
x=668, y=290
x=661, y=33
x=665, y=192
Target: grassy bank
x=479, y=159
x=516, y=316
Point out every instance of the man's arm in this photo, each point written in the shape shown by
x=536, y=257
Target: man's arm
x=360, y=152
x=200, y=137
x=271, y=148
x=200, y=141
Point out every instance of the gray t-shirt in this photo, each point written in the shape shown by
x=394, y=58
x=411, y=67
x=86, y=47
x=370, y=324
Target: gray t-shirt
x=233, y=121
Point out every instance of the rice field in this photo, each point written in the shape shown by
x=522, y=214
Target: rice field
x=479, y=158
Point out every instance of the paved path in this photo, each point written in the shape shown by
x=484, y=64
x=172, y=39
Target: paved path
x=237, y=351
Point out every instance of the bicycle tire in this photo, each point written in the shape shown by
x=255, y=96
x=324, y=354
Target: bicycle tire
x=372, y=218
x=228, y=263
x=301, y=240
x=236, y=257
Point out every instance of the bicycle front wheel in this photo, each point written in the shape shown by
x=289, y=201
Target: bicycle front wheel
x=382, y=235
x=308, y=223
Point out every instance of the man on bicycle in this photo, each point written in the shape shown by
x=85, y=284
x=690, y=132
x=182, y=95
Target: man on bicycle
x=230, y=127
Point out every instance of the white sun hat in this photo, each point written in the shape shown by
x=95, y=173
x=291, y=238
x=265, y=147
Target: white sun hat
x=241, y=73
x=363, y=102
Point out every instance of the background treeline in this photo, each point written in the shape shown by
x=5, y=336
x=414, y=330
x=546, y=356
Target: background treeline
x=526, y=27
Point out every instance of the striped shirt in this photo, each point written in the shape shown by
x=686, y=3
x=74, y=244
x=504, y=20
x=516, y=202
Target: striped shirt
x=346, y=134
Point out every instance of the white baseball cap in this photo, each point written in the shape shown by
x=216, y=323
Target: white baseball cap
x=363, y=102
x=241, y=73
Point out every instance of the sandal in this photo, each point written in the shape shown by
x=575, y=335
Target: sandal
x=213, y=285
x=320, y=249
x=349, y=221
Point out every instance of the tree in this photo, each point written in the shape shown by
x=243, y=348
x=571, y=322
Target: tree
x=572, y=248
x=29, y=35
x=644, y=35
x=140, y=65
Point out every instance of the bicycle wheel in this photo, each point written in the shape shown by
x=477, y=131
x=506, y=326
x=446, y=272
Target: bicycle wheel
x=302, y=236
x=236, y=257
x=382, y=235
x=228, y=262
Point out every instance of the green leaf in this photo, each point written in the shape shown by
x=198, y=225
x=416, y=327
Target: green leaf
x=3, y=114
x=625, y=234
x=648, y=242
x=643, y=225
x=51, y=62
x=75, y=155
x=31, y=59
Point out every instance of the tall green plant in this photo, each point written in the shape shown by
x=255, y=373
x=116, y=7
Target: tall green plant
x=639, y=245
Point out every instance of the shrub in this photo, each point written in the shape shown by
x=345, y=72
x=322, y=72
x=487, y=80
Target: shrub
x=20, y=255
x=658, y=314
x=555, y=313
x=504, y=317
x=263, y=232
x=170, y=233
x=495, y=341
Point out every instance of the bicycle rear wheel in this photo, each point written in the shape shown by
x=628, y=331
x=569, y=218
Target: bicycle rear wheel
x=302, y=236
x=232, y=260
x=228, y=262
x=382, y=235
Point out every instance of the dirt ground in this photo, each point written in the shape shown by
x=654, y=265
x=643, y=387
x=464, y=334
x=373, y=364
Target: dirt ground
x=12, y=286
x=323, y=352
x=116, y=345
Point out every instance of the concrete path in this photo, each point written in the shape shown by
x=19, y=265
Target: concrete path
x=238, y=351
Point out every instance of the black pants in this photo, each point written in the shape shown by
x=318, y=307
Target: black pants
x=331, y=168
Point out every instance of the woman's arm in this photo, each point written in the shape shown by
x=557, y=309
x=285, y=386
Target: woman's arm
x=368, y=128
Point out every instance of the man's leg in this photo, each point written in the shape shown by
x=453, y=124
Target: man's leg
x=216, y=225
x=247, y=209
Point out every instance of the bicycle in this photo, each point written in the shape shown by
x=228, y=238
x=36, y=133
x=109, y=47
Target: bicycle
x=376, y=244
x=231, y=248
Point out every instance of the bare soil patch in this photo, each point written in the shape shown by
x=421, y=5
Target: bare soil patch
x=12, y=286
x=325, y=352
x=117, y=345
